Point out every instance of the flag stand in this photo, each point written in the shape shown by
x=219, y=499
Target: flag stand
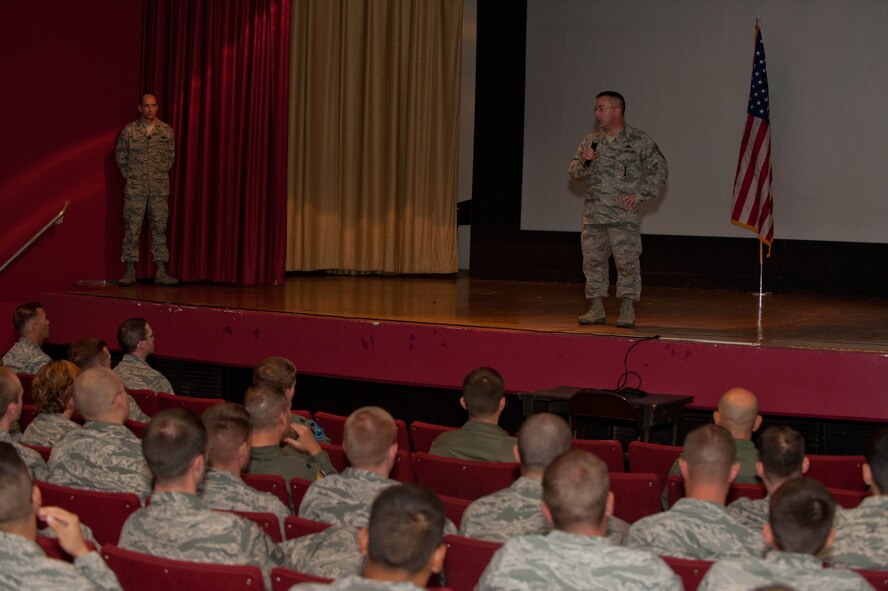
x=759, y=331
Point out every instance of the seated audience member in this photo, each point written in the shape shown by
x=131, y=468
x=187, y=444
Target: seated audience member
x=798, y=530
x=516, y=510
x=104, y=455
x=177, y=524
x=23, y=565
x=271, y=423
x=862, y=533
x=781, y=458
x=136, y=339
x=228, y=453
x=576, y=555
x=698, y=526
x=481, y=438
x=279, y=374
x=403, y=543
x=53, y=393
x=94, y=352
x=32, y=327
x=10, y=411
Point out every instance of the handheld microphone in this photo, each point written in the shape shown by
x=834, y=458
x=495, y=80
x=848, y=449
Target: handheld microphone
x=593, y=146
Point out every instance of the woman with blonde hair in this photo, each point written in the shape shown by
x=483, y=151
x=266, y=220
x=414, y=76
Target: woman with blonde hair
x=53, y=392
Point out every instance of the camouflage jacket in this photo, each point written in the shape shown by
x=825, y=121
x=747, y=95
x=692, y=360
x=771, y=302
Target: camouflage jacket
x=47, y=429
x=356, y=583
x=181, y=527
x=227, y=491
x=695, y=529
x=135, y=411
x=475, y=441
x=32, y=459
x=145, y=159
x=101, y=456
x=332, y=553
x=799, y=571
x=25, y=357
x=862, y=536
x=25, y=566
x=630, y=163
x=138, y=375
x=567, y=561
x=515, y=511
x=345, y=498
x=753, y=513
x=289, y=463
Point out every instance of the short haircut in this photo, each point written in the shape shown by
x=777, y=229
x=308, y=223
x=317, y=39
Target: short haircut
x=542, y=438
x=130, y=332
x=781, y=450
x=95, y=390
x=15, y=487
x=406, y=527
x=369, y=434
x=173, y=438
x=877, y=458
x=10, y=389
x=277, y=372
x=228, y=427
x=575, y=488
x=614, y=95
x=264, y=404
x=86, y=353
x=53, y=386
x=801, y=515
x=24, y=314
x=710, y=452
x=482, y=390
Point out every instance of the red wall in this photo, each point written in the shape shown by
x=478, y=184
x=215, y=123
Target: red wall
x=71, y=82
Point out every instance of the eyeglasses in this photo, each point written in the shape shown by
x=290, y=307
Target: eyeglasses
x=599, y=108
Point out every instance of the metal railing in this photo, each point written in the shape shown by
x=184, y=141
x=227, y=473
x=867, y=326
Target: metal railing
x=56, y=220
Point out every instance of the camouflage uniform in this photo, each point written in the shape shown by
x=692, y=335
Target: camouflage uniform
x=226, y=491
x=345, y=498
x=515, y=511
x=862, y=536
x=135, y=411
x=25, y=357
x=103, y=457
x=332, y=553
x=25, y=566
x=138, y=375
x=357, y=583
x=695, y=529
x=475, y=441
x=47, y=429
x=180, y=526
x=563, y=560
x=630, y=163
x=799, y=571
x=747, y=456
x=271, y=459
x=32, y=459
x=753, y=513
x=145, y=161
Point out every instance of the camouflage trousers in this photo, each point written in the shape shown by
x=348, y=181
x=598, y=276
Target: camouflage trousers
x=623, y=241
x=134, y=207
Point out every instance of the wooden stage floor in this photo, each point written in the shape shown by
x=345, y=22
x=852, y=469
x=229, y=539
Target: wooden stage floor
x=781, y=320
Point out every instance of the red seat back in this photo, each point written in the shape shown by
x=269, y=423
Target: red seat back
x=42, y=450
x=143, y=572
x=635, y=495
x=466, y=560
x=53, y=549
x=296, y=527
x=333, y=426
x=423, y=434
x=147, y=401
x=403, y=470
x=28, y=414
x=302, y=413
x=138, y=428
x=298, y=488
x=26, y=379
x=845, y=472
x=609, y=450
x=284, y=578
x=271, y=483
x=466, y=479
x=653, y=457
x=103, y=512
x=337, y=456
x=848, y=499
x=690, y=571
x=454, y=508
x=267, y=522
x=195, y=405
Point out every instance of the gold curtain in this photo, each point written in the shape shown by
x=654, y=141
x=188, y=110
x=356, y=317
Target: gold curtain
x=374, y=135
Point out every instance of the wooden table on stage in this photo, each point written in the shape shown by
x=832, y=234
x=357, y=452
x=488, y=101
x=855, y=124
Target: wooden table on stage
x=650, y=411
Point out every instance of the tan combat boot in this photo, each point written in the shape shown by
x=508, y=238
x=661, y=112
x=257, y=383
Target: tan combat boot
x=595, y=315
x=129, y=276
x=161, y=277
x=627, y=314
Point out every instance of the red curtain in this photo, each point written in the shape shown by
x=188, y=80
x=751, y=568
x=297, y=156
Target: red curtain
x=220, y=73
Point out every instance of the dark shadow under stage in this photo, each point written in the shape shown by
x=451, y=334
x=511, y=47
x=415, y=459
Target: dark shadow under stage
x=803, y=355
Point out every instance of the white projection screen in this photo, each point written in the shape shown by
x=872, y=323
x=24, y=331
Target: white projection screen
x=684, y=67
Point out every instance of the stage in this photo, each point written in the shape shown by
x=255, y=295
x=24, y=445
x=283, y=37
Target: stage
x=803, y=355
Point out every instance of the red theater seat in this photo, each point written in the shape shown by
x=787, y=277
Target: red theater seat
x=845, y=472
x=690, y=571
x=147, y=401
x=466, y=560
x=195, y=405
x=103, y=512
x=296, y=527
x=635, y=495
x=268, y=522
x=423, y=434
x=609, y=450
x=653, y=457
x=284, y=578
x=465, y=479
x=271, y=483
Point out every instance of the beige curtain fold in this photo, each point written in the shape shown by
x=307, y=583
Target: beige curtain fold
x=374, y=124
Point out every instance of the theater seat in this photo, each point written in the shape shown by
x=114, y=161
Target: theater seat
x=333, y=425
x=609, y=450
x=466, y=560
x=454, y=508
x=337, y=456
x=298, y=488
x=53, y=549
x=653, y=457
x=137, y=427
x=403, y=470
x=845, y=472
x=143, y=572
x=271, y=483
x=28, y=414
x=465, y=479
x=284, y=578
x=103, y=512
x=268, y=522
x=423, y=434
x=635, y=495
x=848, y=499
x=26, y=379
x=690, y=571
x=195, y=405
x=296, y=527
x=676, y=490
x=147, y=401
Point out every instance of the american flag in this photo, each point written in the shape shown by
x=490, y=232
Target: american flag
x=753, y=207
